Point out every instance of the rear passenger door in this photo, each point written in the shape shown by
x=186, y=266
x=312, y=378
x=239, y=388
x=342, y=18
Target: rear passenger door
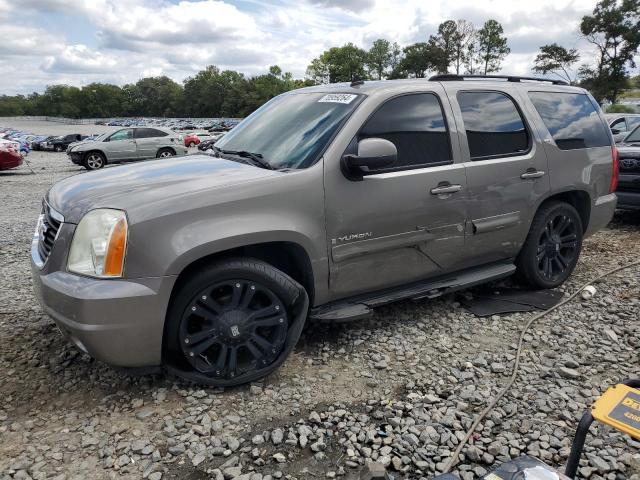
x=148, y=142
x=506, y=167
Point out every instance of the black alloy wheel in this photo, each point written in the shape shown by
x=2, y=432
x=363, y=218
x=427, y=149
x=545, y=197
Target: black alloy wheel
x=233, y=327
x=557, y=246
x=553, y=245
x=233, y=321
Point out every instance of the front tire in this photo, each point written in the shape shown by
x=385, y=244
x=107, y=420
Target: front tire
x=553, y=246
x=233, y=322
x=94, y=161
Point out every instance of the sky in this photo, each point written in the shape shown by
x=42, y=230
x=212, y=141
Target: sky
x=77, y=42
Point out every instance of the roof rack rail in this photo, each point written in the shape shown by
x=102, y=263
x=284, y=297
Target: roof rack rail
x=509, y=78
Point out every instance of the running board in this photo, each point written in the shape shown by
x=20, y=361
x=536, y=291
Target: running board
x=362, y=305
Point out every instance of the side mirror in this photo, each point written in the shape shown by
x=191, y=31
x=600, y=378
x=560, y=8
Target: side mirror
x=615, y=131
x=373, y=154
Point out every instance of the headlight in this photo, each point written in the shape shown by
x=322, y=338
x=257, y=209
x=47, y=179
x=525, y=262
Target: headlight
x=99, y=244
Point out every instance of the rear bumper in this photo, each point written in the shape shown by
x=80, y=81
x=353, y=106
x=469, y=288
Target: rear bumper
x=601, y=213
x=119, y=322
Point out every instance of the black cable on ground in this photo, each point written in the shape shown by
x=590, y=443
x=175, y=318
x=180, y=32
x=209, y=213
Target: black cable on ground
x=453, y=460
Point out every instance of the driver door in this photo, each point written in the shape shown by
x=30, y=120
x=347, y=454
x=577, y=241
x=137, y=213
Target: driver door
x=121, y=145
x=406, y=222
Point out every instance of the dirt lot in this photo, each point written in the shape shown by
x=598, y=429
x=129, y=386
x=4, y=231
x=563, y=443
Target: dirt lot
x=398, y=389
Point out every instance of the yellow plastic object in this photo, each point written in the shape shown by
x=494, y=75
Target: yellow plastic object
x=619, y=408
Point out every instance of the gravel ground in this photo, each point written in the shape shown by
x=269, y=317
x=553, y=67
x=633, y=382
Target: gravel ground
x=398, y=389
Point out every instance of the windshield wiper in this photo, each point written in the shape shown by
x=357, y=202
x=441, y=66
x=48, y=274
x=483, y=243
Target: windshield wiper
x=256, y=158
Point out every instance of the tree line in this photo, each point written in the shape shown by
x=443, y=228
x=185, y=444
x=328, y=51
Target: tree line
x=613, y=29
x=210, y=93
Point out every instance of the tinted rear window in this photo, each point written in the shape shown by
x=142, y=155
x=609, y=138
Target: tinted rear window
x=572, y=120
x=493, y=124
x=149, y=133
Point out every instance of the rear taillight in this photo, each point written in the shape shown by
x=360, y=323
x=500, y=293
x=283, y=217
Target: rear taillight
x=615, y=165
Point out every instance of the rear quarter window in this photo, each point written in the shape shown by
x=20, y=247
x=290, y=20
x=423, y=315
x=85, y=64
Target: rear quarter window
x=572, y=120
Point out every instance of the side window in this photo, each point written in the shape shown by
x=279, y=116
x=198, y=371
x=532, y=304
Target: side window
x=149, y=133
x=620, y=125
x=493, y=124
x=125, y=134
x=634, y=136
x=572, y=120
x=415, y=125
x=633, y=122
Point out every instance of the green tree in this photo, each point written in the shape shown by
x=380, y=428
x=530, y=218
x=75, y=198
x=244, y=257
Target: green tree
x=614, y=30
x=445, y=40
x=618, y=108
x=100, y=100
x=557, y=60
x=418, y=59
x=339, y=64
x=379, y=58
x=463, y=38
x=156, y=97
x=491, y=47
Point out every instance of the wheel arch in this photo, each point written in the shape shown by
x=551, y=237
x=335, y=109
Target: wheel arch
x=95, y=150
x=579, y=199
x=166, y=147
x=288, y=256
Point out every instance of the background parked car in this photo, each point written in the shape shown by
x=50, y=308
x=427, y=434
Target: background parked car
x=193, y=139
x=9, y=157
x=60, y=144
x=38, y=140
x=628, y=191
x=622, y=124
x=125, y=145
x=208, y=144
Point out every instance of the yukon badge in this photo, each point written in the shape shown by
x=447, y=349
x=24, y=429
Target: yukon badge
x=351, y=237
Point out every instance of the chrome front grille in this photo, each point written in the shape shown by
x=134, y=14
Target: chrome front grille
x=48, y=228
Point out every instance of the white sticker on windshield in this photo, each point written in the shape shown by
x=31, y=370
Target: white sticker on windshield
x=337, y=98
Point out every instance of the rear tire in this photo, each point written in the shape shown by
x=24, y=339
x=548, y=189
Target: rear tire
x=58, y=148
x=552, y=248
x=192, y=144
x=233, y=322
x=165, y=153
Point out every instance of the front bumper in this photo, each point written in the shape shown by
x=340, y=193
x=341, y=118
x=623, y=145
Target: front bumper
x=117, y=321
x=601, y=213
x=75, y=157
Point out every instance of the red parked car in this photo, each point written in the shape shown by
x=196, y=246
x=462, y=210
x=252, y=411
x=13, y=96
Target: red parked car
x=194, y=139
x=9, y=157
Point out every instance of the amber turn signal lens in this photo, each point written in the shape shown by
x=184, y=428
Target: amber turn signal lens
x=116, y=248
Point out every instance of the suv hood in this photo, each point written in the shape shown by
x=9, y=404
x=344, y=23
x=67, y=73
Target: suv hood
x=157, y=181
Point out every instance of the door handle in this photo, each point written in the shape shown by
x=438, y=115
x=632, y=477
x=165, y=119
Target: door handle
x=532, y=174
x=443, y=189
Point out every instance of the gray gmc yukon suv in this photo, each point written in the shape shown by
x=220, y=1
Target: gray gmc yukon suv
x=325, y=203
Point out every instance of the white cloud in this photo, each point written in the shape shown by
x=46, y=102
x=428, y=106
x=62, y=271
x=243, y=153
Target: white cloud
x=133, y=38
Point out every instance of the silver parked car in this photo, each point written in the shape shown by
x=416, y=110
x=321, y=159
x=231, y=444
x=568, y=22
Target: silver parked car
x=326, y=202
x=126, y=145
x=622, y=124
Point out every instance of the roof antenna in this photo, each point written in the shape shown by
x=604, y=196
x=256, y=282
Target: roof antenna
x=357, y=81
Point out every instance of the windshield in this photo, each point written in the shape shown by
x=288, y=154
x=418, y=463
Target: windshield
x=291, y=130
